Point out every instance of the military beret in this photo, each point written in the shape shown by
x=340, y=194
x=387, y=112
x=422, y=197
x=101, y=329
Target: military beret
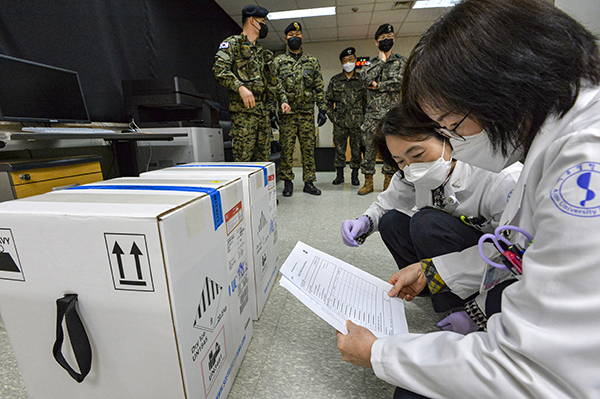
x=346, y=52
x=385, y=28
x=254, y=11
x=293, y=26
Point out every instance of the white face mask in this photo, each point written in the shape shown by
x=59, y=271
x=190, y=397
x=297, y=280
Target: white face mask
x=349, y=66
x=477, y=150
x=428, y=175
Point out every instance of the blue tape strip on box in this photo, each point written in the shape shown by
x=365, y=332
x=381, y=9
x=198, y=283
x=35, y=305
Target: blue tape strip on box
x=215, y=195
x=264, y=168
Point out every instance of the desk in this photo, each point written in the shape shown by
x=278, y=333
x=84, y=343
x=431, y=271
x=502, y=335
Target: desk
x=124, y=144
x=22, y=178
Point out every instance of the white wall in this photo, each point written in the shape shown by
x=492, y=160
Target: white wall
x=328, y=55
x=587, y=12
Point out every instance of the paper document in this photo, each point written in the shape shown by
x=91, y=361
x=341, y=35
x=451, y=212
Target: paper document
x=338, y=291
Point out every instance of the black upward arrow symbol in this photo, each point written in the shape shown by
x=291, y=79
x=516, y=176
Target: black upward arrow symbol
x=135, y=251
x=118, y=251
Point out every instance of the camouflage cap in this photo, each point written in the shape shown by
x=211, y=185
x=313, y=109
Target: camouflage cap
x=383, y=29
x=347, y=51
x=293, y=26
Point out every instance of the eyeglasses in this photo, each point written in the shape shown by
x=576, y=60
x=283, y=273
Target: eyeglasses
x=451, y=133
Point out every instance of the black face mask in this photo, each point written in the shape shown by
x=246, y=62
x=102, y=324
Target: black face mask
x=264, y=30
x=294, y=43
x=386, y=45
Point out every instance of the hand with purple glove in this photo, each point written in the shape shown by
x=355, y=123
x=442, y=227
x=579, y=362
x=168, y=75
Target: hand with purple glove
x=354, y=228
x=459, y=322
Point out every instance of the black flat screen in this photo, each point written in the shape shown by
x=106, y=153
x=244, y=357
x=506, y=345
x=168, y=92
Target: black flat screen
x=32, y=92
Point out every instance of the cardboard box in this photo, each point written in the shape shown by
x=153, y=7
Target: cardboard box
x=158, y=295
x=260, y=217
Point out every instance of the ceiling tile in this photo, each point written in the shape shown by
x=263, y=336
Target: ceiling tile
x=388, y=7
x=359, y=18
x=412, y=28
x=346, y=25
x=302, y=4
x=390, y=17
x=329, y=21
x=354, y=32
x=278, y=5
x=324, y=34
x=280, y=24
x=348, y=9
x=353, y=2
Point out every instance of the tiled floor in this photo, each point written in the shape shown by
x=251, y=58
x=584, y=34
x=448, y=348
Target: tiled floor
x=293, y=353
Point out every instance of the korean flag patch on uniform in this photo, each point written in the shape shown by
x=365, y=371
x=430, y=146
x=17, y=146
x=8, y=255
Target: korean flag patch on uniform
x=224, y=45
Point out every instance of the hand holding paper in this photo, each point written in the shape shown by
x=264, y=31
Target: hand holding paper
x=338, y=291
x=356, y=345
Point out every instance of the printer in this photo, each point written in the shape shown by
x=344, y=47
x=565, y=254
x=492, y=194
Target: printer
x=168, y=103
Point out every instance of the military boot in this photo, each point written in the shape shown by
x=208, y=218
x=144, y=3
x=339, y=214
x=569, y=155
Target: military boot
x=355, y=181
x=339, y=179
x=386, y=181
x=288, y=188
x=368, y=187
x=310, y=188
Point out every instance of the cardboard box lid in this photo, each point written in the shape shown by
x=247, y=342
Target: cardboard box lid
x=123, y=197
x=237, y=167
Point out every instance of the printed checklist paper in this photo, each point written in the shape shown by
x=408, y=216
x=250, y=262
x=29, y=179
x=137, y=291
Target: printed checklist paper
x=338, y=291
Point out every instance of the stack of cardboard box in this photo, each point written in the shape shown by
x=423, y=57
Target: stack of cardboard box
x=164, y=270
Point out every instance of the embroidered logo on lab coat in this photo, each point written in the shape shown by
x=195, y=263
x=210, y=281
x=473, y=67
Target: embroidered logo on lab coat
x=577, y=190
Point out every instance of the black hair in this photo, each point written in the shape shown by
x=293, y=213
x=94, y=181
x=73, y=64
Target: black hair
x=509, y=63
x=398, y=123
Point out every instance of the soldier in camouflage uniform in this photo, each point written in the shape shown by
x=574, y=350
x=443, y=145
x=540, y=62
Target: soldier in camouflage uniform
x=345, y=97
x=299, y=86
x=383, y=78
x=244, y=68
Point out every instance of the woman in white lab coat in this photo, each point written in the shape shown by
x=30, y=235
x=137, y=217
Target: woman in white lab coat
x=456, y=202
x=529, y=76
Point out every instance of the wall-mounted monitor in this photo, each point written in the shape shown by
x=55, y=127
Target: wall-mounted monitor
x=33, y=92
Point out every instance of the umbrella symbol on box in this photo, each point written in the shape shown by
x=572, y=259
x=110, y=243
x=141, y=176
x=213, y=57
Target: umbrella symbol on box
x=7, y=263
x=10, y=265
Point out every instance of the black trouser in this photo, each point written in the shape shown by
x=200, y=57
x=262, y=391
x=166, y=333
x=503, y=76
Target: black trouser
x=401, y=393
x=427, y=234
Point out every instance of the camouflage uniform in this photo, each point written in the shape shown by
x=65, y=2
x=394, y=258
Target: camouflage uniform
x=299, y=84
x=345, y=107
x=239, y=62
x=388, y=76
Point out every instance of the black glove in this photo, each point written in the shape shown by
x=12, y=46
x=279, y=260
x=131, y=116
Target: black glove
x=274, y=121
x=322, y=118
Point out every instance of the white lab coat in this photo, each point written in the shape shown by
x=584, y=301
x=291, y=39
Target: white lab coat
x=472, y=191
x=545, y=343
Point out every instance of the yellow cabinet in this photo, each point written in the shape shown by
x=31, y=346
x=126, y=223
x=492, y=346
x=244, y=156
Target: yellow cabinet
x=24, y=178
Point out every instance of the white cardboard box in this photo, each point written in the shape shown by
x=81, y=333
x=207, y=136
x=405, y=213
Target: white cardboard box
x=150, y=265
x=260, y=203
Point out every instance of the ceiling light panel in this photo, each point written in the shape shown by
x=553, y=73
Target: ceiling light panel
x=305, y=13
x=434, y=3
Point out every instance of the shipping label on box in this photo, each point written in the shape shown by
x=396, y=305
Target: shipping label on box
x=150, y=265
x=260, y=200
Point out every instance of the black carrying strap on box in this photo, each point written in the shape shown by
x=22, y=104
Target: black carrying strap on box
x=66, y=308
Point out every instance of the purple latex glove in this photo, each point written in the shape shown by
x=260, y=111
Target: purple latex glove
x=354, y=228
x=459, y=322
